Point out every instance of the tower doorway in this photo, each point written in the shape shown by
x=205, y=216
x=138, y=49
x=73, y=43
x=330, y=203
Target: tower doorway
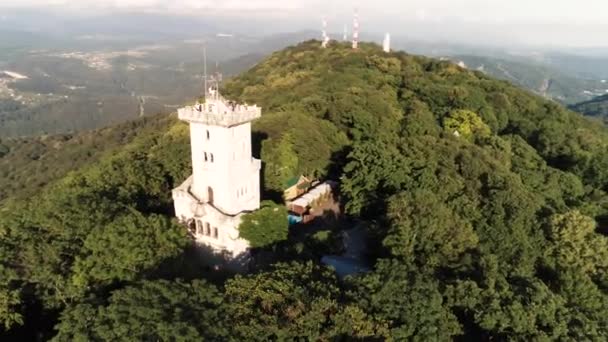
x=210, y=195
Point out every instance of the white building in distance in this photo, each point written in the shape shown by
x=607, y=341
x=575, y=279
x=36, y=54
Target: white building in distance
x=225, y=183
x=386, y=44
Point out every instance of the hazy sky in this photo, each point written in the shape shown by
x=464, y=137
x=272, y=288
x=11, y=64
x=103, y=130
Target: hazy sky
x=546, y=22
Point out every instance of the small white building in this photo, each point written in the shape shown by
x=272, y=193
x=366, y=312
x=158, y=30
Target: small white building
x=225, y=183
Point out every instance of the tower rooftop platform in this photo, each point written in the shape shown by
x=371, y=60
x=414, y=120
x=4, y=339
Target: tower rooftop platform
x=220, y=112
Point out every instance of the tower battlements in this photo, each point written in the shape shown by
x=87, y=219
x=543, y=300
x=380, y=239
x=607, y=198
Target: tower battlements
x=220, y=112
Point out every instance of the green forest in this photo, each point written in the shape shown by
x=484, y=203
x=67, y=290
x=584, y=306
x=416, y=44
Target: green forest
x=485, y=206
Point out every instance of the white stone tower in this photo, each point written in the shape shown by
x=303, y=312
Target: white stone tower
x=225, y=183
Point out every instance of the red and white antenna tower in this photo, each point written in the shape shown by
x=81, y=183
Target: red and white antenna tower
x=325, y=36
x=356, y=30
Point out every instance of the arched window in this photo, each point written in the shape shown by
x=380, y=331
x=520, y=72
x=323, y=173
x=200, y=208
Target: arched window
x=212, y=157
x=205, y=156
x=207, y=229
x=199, y=227
x=215, y=232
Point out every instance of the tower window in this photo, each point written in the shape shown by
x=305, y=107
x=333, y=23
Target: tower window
x=208, y=135
x=212, y=157
x=205, y=156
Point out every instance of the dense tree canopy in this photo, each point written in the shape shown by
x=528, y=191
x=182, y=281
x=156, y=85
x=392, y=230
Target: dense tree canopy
x=495, y=233
x=266, y=226
x=149, y=311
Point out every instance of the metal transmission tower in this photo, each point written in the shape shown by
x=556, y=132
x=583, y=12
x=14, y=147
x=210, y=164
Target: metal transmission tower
x=386, y=45
x=356, y=30
x=325, y=37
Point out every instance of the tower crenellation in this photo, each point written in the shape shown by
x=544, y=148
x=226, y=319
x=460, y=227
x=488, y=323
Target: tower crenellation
x=225, y=181
x=220, y=112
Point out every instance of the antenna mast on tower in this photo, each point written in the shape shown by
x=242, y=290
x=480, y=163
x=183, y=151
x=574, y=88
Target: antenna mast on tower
x=205, y=71
x=356, y=30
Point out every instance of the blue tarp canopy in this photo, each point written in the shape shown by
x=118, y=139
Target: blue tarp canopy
x=293, y=219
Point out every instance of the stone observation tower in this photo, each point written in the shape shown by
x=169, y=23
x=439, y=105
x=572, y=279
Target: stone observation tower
x=225, y=183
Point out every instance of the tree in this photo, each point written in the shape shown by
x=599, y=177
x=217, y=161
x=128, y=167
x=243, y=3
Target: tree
x=127, y=248
x=406, y=302
x=424, y=228
x=281, y=162
x=467, y=124
x=10, y=299
x=374, y=171
x=265, y=226
x=495, y=307
x=291, y=302
x=149, y=311
x=576, y=245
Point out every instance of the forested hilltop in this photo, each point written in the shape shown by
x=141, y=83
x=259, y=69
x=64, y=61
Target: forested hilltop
x=486, y=208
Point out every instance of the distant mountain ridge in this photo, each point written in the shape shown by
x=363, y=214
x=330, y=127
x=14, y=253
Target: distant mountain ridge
x=544, y=79
x=595, y=107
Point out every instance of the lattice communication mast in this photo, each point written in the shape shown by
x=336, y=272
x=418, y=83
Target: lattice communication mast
x=325, y=36
x=386, y=44
x=356, y=30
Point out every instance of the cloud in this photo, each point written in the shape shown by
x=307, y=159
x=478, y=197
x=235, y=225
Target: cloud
x=175, y=6
x=546, y=21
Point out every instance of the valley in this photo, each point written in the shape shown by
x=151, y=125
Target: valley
x=69, y=89
x=539, y=76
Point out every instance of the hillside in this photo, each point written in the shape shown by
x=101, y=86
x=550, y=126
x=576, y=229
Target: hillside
x=29, y=164
x=596, y=107
x=485, y=206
